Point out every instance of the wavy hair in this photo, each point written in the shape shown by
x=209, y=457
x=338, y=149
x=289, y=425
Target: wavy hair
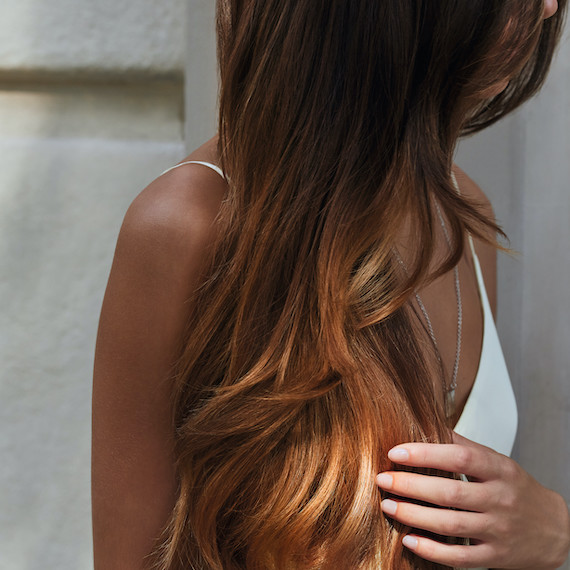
x=303, y=362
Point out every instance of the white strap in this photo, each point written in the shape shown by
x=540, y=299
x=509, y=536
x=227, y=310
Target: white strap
x=208, y=164
x=469, y=237
x=454, y=180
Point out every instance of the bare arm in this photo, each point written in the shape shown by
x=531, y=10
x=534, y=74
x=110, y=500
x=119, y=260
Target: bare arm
x=160, y=254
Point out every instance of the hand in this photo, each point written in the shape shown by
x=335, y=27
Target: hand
x=512, y=520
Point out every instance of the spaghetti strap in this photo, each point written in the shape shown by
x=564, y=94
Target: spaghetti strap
x=208, y=164
x=454, y=180
x=469, y=238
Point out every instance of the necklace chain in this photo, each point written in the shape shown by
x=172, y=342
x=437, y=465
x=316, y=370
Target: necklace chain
x=450, y=390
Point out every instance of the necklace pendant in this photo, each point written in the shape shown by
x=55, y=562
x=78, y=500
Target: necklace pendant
x=450, y=403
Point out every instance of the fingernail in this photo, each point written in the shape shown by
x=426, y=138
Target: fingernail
x=399, y=454
x=384, y=480
x=389, y=507
x=410, y=542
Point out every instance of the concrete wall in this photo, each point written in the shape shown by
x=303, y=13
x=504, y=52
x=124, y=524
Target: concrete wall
x=201, y=75
x=107, y=36
x=91, y=110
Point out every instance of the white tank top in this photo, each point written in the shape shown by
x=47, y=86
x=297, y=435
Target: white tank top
x=208, y=164
x=490, y=413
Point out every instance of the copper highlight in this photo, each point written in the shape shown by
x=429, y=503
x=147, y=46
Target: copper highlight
x=303, y=361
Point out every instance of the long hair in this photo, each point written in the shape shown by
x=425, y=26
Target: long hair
x=303, y=363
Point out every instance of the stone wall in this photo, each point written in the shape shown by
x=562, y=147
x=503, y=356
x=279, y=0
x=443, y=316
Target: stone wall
x=91, y=110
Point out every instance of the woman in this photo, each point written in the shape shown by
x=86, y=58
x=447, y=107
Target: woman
x=299, y=306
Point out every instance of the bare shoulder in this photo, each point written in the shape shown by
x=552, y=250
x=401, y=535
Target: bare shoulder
x=173, y=218
x=472, y=190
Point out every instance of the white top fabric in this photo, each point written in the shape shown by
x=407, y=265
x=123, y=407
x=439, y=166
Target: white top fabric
x=490, y=413
x=208, y=164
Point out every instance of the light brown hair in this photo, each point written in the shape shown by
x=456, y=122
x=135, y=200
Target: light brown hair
x=302, y=363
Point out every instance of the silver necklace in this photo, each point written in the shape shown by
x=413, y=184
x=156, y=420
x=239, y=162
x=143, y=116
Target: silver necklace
x=450, y=390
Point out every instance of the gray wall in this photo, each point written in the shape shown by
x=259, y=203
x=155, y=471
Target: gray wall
x=92, y=108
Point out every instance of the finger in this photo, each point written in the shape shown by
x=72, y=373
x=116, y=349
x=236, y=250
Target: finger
x=454, y=555
x=441, y=521
x=480, y=462
x=437, y=490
